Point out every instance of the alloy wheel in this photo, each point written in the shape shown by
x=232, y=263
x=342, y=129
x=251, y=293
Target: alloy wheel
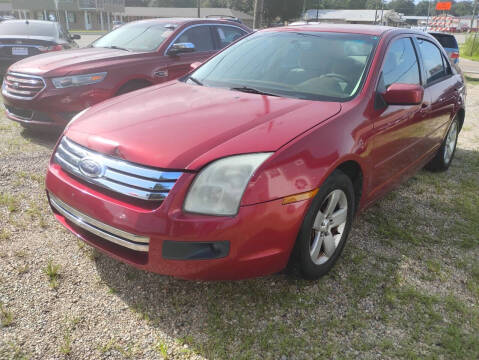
x=450, y=145
x=328, y=226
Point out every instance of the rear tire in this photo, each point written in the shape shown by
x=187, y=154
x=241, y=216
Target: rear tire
x=325, y=227
x=443, y=158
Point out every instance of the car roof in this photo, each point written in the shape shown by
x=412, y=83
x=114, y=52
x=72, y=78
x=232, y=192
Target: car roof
x=183, y=21
x=341, y=28
x=28, y=21
x=440, y=33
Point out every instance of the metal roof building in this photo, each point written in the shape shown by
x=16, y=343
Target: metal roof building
x=137, y=13
x=389, y=17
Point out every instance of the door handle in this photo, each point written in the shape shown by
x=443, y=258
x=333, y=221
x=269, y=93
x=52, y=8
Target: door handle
x=424, y=108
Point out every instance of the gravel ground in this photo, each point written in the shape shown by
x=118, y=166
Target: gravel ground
x=407, y=285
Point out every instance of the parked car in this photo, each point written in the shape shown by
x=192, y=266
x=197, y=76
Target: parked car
x=449, y=43
x=225, y=17
x=20, y=39
x=48, y=90
x=117, y=23
x=262, y=155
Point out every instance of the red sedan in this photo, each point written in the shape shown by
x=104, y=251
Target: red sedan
x=48, y=90
x=261, y=156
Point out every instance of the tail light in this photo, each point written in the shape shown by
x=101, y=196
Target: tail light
x=454, y=55
x=50, y=48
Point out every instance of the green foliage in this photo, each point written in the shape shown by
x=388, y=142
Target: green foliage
x=471, y=47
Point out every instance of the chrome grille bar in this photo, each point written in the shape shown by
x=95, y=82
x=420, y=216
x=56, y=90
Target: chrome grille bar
x=22, y=86
x=107, y=232
x=119, y=176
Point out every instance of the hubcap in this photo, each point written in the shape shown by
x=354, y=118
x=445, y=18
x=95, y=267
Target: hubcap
x=450, y=145
x=328, y=227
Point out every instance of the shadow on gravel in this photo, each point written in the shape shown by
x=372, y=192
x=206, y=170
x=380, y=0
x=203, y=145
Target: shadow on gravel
x=42, y=137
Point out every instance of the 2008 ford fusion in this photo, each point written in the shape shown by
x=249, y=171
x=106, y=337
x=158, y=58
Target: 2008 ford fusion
x=261, y=156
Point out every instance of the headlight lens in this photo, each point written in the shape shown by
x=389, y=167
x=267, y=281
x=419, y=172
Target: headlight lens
x=218, y=188
x=78, y=80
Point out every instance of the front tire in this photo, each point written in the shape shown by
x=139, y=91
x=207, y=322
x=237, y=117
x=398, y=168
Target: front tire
x=326, y=227
x=443, y=158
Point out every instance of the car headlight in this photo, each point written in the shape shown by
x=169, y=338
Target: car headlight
x=78, y=80
x=219, y=187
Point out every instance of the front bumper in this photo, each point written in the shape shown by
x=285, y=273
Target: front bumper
x=53, y=107
x=257, y=241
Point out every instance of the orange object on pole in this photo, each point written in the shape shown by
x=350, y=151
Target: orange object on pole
x=444, y=5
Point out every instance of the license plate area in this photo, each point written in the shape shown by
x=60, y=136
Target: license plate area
x=19, y=51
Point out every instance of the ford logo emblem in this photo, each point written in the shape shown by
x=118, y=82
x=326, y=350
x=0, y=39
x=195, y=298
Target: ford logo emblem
x=91, y=168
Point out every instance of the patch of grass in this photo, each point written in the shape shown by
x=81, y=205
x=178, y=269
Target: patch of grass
x=52, y=271
x=6, y=316
x=161, y=348
x=5, y=234
x=35, y=177
x=11, y=202
x=66, y=345
x=12, y=351
x=129, y=351
x=22, y=269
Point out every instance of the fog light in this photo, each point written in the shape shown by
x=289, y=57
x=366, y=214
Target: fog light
x=182, y=250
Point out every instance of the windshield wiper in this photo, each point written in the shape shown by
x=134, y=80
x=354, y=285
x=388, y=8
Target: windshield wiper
x=117, y=48
x=195, y=80
x=251, y=90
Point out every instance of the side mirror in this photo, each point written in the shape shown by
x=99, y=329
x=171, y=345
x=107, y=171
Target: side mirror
x=403, y=94
x=75, y=37
x=179, y=48
x=195, y=65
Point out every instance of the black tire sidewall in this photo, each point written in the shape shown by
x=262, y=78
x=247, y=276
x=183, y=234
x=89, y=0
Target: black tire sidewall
x=336, y=181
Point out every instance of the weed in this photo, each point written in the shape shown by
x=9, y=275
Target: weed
x=10, y=202
x=52, y=271
x=6, y=317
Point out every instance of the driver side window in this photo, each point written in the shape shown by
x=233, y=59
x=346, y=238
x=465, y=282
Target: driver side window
x=400, y=65
x=200, y=36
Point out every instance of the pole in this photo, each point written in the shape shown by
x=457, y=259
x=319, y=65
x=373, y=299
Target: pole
x=473, y=14
x=304, y=10
x=376, y=13
x=258, y=13
x=198, y=4
x=428, y=13
x=317, y=11
x=382, y=11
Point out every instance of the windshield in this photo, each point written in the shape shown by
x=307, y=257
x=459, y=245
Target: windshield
x=135, y=37
x=306, y=65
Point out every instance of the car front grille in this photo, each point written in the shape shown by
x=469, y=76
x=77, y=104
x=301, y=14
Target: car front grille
x=116, y=175
x=23, y=114
x=22, y=86
x=107, y=232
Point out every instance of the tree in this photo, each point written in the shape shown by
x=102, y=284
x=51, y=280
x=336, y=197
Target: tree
x=406, y=7
x=422, y=8
x=282, y=9
x=462, y=8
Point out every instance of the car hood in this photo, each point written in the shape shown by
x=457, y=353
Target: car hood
x=180, y=126
x=59, y=63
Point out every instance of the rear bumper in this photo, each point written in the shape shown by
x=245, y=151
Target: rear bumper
x=54, y=107
x=257, y=241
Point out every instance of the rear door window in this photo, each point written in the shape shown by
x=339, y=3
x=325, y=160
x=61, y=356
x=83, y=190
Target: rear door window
x=228, y=34
x=447, y=41
x=433, y=61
